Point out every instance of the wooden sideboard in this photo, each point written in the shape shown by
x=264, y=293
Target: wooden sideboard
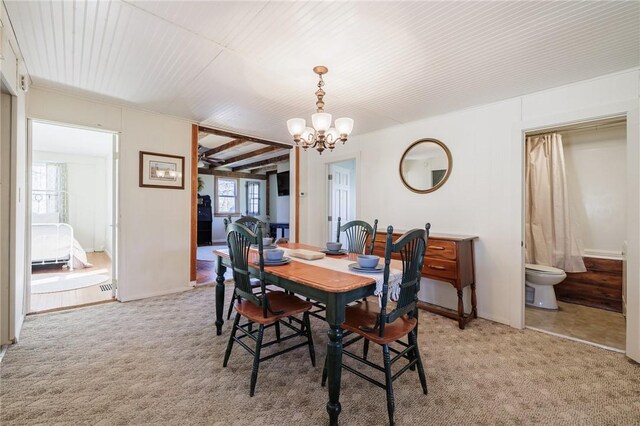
x=449, y=258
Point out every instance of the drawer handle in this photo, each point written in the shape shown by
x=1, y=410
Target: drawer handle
x=436, y=247
x=440, y=268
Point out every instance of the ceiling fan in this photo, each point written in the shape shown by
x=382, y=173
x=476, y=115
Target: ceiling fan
x=203, y=160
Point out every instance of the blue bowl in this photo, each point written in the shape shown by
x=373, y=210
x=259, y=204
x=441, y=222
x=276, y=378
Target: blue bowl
x=368, y=261
x=274, y=254
x=334, y=246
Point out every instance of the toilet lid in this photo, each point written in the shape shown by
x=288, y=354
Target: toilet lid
x=544, y=268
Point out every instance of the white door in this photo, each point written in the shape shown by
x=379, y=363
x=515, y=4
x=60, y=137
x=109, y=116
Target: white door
x=339, y=199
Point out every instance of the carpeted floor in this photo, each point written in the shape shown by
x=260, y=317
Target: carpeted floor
x=158, y=361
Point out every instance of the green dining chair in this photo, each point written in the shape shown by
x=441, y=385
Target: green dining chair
x=266, y=309
x=373, y=324
x=358, y=232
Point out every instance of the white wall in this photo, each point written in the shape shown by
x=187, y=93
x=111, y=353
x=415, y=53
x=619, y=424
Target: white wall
x=483, y=195
x=597, y=179
x=154, y=224
x=87, y=189
x=217, y=225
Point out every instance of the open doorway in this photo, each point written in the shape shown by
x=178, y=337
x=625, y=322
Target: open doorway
x=237, y=176
x=73, y=216
x=341, y=177
x=576, y=231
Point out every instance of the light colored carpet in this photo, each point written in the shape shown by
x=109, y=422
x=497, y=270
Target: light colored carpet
x=52, y=283
x=158, y=361
x=206, y=253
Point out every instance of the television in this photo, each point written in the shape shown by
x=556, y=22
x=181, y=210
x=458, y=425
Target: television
x=282, y=179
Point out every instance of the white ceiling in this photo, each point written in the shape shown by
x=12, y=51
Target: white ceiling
x=71, y=140
x=246, y=66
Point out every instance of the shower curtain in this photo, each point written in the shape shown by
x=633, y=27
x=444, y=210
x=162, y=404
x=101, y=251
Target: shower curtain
x=550, y=232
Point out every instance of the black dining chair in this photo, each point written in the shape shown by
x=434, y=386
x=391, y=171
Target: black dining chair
x=266, y=309
x=252, y=223
x=358, y=232
x=376, y=325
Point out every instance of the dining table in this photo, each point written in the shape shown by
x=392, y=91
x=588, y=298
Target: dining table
x=319, y=282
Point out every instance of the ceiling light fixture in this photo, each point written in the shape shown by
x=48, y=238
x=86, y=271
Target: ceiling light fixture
x=321, y=136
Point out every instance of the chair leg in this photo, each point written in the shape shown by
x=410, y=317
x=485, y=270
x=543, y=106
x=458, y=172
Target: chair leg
x=256, y=360
x=324, y=373
x=278, y=331
x=389, y=382
x=365, y=350
x=231, y=340
x=411, y=353
x=307, y=326
x=233, y=301
x=416, y=352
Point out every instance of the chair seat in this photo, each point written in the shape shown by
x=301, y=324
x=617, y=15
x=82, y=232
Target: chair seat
x=279, y=301
x=365, y=314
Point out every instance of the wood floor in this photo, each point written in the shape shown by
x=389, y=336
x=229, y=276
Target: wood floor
x=581, y=322
x=206, y=269
x=70, y=298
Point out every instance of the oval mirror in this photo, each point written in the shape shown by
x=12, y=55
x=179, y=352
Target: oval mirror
x=425, y=166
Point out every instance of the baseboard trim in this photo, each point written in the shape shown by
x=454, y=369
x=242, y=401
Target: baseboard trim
x=140, y=296
x=494, y=318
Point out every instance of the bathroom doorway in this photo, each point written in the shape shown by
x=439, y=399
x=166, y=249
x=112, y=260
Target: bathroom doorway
x=576, y=231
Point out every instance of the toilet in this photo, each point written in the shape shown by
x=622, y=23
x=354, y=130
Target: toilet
x=540, y=280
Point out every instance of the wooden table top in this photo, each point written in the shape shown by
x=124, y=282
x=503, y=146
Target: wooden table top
x=313, y=276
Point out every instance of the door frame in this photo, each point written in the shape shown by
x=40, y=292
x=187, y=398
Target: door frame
x=629, y=110
x=115, y=202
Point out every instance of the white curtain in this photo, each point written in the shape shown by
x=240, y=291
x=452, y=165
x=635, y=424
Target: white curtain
x=550, y=232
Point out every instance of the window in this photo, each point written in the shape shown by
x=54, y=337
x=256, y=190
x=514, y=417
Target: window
x=226, y=196
x=49, y=192
x=253, y=198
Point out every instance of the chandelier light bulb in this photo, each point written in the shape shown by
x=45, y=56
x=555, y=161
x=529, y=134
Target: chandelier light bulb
x=344, y=126
x=296, y=126
x=321, y=121
x=332, y=135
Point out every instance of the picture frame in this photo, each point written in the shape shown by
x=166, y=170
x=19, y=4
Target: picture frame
x=161, y=170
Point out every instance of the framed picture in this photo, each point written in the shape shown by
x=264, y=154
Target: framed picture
x=161, y=170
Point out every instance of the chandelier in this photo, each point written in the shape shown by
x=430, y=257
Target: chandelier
x=321, y=136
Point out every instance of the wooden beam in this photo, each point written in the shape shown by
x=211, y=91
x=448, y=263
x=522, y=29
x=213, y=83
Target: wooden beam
x=226, y=173
x=268, y=168
x=255, y=153
x=246, y=138
x=194, y=203
x=262, y=163
x=224, y=147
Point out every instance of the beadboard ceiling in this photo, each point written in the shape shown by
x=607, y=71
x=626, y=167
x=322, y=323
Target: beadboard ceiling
x=247, y=66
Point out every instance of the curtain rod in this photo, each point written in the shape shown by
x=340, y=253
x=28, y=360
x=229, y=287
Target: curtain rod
x=601, y=124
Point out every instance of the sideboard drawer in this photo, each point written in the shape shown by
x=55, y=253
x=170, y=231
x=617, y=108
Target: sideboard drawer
x=440, y=268
x=441, y=249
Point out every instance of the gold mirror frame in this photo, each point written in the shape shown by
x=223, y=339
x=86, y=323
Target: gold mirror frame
x=446, y=176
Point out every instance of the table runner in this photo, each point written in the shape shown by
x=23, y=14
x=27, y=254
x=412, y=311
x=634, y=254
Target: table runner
x=342, y=265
